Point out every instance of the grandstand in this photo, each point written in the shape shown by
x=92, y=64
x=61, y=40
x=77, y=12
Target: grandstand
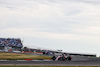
x=9, y=44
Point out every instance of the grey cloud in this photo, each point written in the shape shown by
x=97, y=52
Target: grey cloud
x=86, y=1
x=91, y=1
x=51, y=20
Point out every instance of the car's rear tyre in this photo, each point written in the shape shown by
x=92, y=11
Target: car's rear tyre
x=69, y=58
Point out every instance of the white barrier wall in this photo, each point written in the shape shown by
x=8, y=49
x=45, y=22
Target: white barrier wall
x=77, y=58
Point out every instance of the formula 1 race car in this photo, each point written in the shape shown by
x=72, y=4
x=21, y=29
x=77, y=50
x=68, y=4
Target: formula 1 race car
x=61, y=57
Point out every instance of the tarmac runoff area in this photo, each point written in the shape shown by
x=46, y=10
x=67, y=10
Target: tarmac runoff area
x=50, y=62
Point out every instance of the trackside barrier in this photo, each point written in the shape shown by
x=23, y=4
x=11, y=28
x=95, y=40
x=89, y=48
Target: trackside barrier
x=84, y=58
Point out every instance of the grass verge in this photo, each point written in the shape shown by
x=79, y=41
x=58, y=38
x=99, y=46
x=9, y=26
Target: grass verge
x=49, y=66
x=18, y=56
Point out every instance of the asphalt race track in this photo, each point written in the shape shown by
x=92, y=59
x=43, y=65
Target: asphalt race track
x=51, y=63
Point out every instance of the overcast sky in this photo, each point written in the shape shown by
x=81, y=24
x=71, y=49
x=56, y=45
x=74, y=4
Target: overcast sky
x=68, y=25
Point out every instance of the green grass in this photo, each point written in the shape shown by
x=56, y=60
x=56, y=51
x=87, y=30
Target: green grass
x=18, y=56
x=49, y=66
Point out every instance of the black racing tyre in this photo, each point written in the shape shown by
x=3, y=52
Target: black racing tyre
x=53, y=58
x=43, y=52
x=69, y=58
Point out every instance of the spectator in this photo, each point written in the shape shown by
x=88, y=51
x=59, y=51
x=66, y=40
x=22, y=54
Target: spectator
x=11, y=42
